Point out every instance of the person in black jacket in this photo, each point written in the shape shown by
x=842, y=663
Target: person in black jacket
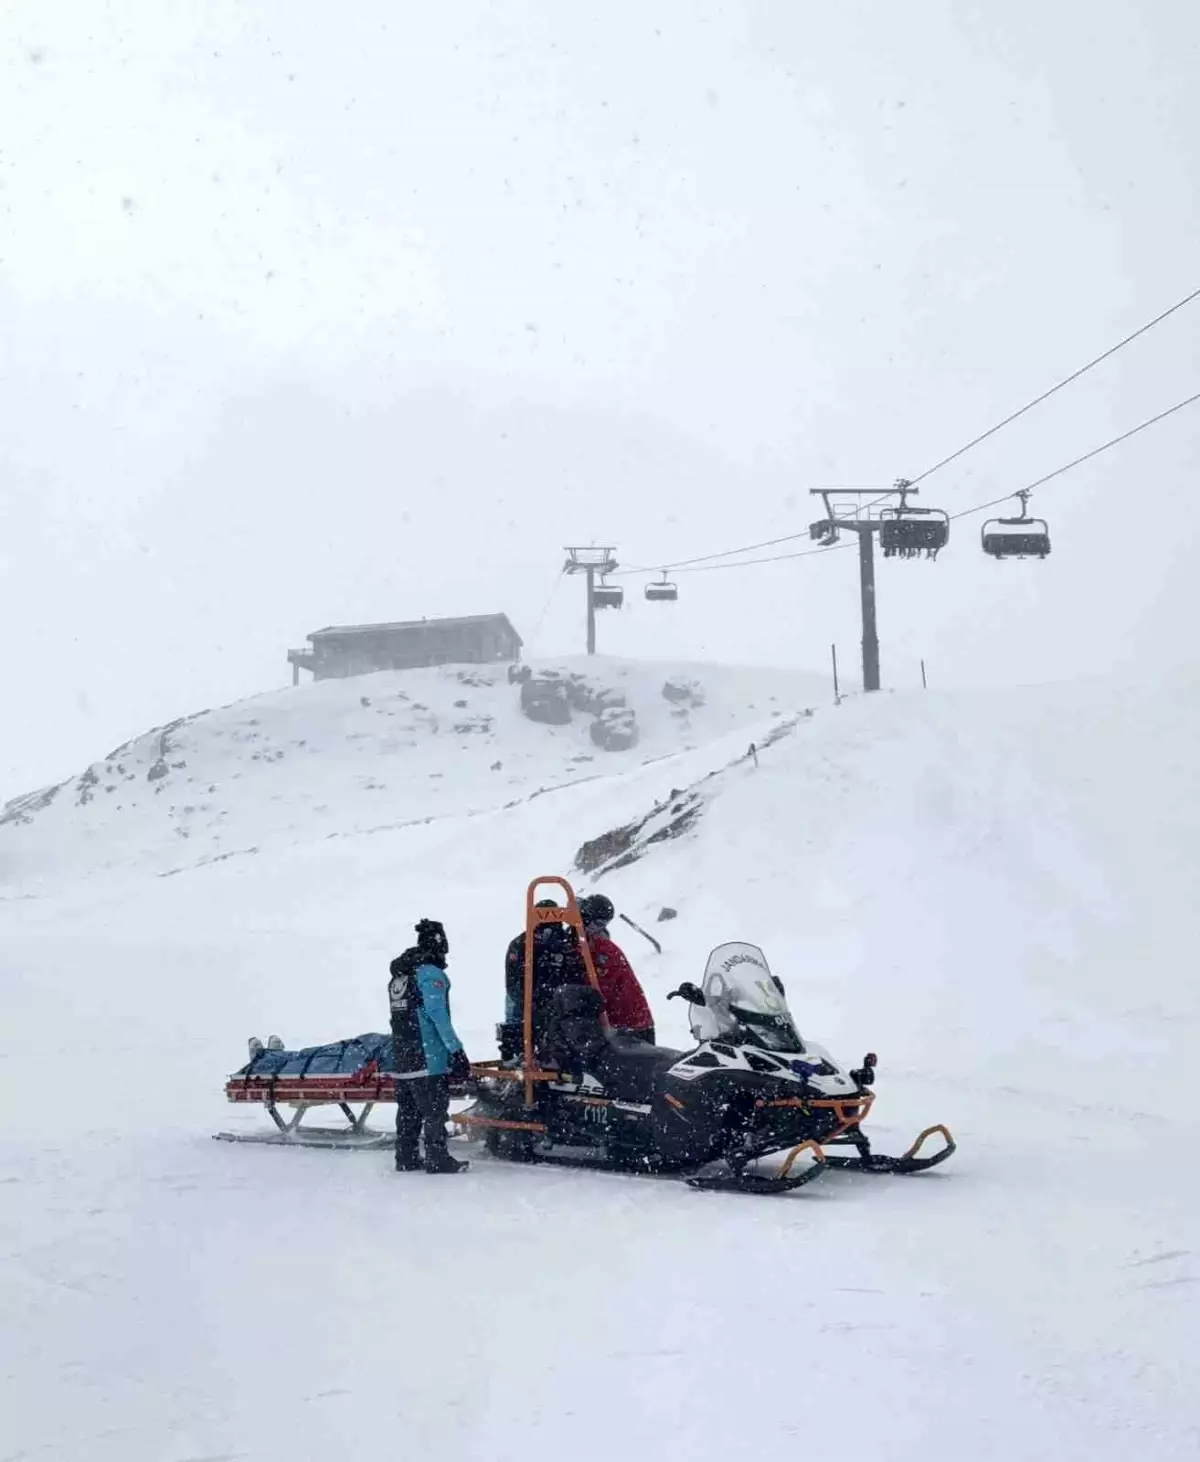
x=557, y=961
x=427, y=1050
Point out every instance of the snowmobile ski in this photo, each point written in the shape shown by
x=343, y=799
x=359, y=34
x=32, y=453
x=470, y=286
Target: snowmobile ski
x=739, y=1180
x=909, y=1162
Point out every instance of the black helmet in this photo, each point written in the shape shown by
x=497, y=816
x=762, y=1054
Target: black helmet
x=431, y=938
x=597, y=908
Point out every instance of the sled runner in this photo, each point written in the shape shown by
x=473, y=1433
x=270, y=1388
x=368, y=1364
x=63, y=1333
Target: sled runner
x=292, y=1133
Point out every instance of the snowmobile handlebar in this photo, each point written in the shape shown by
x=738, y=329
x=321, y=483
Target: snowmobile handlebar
x=689, y=992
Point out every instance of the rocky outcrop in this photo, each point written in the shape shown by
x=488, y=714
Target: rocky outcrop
x=615, y=729
x=683, y=693
x=550, y=696
x=544, y=699
x=624, y=845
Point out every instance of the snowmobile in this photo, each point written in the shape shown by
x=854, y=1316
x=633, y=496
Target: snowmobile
x=752, y=1087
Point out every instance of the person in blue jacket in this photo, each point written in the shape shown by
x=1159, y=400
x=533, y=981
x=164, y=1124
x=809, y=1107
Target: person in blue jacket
x=428, y=1053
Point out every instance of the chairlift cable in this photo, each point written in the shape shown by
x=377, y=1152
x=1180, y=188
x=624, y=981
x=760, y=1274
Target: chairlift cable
x=546, y=607
x=1087, y=457
x=979, y=507
x=706, y=558
x=772, y=558
x=1066, y=381
x=710, y=558
x=725, y=553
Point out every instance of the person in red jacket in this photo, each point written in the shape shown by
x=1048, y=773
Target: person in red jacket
x=628, y=1010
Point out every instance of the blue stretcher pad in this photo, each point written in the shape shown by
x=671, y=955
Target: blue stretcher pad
x=339, y=1058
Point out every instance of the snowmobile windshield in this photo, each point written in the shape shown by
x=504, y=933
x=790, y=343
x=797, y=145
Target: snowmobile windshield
x=773, y=1032
x=744, y=1002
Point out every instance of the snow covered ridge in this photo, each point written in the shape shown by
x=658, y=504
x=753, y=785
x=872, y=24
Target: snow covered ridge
x=674, y=815
x=378, y=751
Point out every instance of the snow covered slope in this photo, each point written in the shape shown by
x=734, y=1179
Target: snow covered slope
x=996, y=892
x=377, y=751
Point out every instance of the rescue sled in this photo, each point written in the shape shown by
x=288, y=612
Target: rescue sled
x=351, y=1075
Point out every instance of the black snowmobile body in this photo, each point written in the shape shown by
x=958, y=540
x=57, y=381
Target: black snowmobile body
x=750, y=1088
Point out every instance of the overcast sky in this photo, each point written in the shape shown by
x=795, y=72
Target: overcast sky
x=316, y=313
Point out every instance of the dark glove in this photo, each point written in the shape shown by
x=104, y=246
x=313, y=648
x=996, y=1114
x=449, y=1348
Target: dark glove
x=460, y=1066
x=689, y=992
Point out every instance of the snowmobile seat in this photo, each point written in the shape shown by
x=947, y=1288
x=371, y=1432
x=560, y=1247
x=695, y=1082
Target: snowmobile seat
x=626, y=1066
x=629, y=1068
x=574, y=1028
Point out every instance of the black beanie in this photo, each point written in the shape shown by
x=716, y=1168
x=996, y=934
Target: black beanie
x=431, y=939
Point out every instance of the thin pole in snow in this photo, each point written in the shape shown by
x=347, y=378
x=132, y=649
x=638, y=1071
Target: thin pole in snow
x=642, y=932
x=924, y=682
x=837, y=698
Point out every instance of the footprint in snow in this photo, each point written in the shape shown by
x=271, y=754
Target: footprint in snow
x=1158, y=1258
x=1168, y=1256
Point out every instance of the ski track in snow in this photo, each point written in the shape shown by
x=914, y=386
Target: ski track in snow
x=974, y=885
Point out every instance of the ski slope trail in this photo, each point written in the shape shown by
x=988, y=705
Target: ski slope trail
x=992, y=891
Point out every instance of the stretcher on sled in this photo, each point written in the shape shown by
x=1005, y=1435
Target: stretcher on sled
x=352, y=1075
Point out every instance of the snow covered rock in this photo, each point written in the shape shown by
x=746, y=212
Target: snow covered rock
x=615, y=729
x=684, y=692
x=591, y=696
x=545, y=699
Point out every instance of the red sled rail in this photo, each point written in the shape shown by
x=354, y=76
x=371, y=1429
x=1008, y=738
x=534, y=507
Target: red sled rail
x=268, y=1091
x=360, y=1090
x=355, y=1095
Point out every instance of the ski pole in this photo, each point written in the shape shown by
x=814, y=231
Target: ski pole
x=642, y=932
